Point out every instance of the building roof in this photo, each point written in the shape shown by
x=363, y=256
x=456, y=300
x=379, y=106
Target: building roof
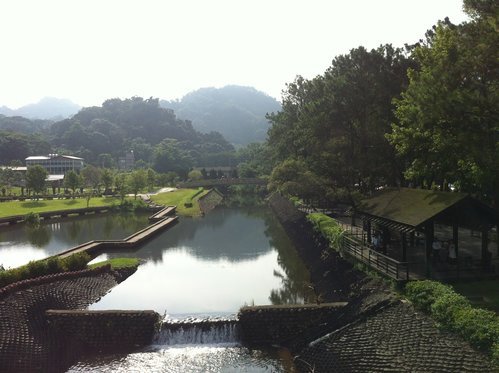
x=414, y=207
x=51, y=156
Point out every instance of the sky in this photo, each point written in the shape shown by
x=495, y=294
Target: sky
x=92, y=50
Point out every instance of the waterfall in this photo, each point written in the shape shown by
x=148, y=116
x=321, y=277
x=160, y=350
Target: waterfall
x=197, y=331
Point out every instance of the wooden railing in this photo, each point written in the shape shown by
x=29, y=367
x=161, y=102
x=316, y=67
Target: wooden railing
x=390, y=267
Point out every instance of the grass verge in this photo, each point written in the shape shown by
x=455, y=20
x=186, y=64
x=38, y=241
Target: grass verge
x=186, y=200
x=117, y=263
x=12, y=208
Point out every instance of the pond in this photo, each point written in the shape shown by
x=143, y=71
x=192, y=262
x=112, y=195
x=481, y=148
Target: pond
x=21, y=243
x=200, y=267
x=213, y=266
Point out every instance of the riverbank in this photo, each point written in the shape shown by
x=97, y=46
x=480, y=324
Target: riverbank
x=26, y=341
x=376, y=331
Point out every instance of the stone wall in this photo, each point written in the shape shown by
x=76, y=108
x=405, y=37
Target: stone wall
x=105, y=330
x=283, y=324
x=210, y=200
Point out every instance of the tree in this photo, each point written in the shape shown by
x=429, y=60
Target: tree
x=335, y=124
x=137, y=180
x=151, y=178
x=107, y=179
x=35, y=178
x=92, y=177
x=120, y=181
x=195, y=175
x=72, y=181
x=448, y=118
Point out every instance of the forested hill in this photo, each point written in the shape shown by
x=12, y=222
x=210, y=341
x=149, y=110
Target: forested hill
x=157, y=137
x=237, y=112
x=47, y=108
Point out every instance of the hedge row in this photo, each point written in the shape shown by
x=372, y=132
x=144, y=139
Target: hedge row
x=44, y=267
x=328, y=227
x=454, y=312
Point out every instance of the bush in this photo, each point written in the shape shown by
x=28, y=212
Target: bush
x=424, y=293
x=444, y=308
x=330, y=229
x=76, y=262
x=32, y=219
x=54, y=265
x=454, y=312
x=480, y=327
x=37, y=268
x=6, y=278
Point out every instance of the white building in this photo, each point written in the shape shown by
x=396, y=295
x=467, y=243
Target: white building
x=56, y=164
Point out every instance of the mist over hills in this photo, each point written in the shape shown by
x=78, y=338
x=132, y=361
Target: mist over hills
x=237, y=112
x=47, y=108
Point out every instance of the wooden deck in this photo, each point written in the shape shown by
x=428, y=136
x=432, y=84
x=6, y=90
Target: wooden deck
x=163, y=213
x=96, y=247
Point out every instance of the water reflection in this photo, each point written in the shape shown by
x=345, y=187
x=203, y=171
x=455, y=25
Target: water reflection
x=22, y=243
x=214, y=265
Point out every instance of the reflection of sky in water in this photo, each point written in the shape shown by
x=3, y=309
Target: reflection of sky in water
x=20, y=243
x=184, y=284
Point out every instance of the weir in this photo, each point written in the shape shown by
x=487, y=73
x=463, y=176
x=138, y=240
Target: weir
x=198, y=331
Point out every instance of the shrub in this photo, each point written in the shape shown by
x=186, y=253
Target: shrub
x=495, y=353
x=6, y=278
x=480, y=327
x=76, y=262
x=32, y=219
x=445, y=306
x=424, y=293
x=330, y=229
x=37, y=268
x=54, y=265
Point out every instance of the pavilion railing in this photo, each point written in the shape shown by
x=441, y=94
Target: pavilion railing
x=390, y=267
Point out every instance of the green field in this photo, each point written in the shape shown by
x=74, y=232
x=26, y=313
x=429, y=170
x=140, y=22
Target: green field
x=180, y=198
x=117, y=263
x=12, y=208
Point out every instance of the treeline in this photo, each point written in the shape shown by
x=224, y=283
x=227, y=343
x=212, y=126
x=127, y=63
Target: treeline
x=425, y=116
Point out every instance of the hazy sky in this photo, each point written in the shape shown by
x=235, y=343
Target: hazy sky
x=92, y=50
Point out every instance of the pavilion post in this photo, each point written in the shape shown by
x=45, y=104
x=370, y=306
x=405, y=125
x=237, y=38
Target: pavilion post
x=485, y=248
x=368, y=229
x=429, y=236
x=455, y=238
x=404, y=247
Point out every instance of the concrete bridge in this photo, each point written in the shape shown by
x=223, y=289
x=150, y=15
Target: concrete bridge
x=209, y=183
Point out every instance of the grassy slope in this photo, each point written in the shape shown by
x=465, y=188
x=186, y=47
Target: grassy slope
x=118, y=263
x=23, y=207
x=178, y=198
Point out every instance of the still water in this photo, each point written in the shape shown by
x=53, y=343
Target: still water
x=203, y=267
x=21, y=243
x=213, y=266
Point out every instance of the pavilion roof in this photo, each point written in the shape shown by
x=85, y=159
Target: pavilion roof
x=411, y=208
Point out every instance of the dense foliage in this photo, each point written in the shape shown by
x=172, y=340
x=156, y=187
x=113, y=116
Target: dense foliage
x=454, y=312
x=328, y=228
x=154, y=134
x=427, y=116
x=332, y=128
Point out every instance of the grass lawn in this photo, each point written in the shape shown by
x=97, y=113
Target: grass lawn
x=179, y=198
x=117, y=263
x=483, y=294
x=11, y=208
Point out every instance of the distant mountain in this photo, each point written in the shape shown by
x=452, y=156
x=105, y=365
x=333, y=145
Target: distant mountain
x=47, y=108
x=237, y=112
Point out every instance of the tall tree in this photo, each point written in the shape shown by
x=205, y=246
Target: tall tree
x=137, y=180
x=336, y=123
x=448, y=119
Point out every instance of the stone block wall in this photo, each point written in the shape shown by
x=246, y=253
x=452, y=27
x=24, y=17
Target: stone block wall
x=270, y=325
x=112, y=330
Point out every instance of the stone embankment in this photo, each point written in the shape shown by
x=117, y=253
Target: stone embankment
x=27, y=344
x=375, y=331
